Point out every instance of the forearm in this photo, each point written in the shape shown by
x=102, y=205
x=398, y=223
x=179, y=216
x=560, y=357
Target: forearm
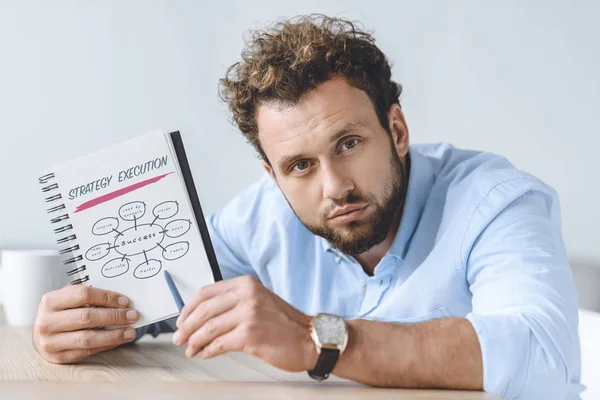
x=442, y=353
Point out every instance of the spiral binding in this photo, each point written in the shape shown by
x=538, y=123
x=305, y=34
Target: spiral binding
x=49, y=188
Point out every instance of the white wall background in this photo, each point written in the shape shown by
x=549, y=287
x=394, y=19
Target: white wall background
x=517, y=78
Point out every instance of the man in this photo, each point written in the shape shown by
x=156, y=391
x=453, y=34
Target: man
x=437, y=267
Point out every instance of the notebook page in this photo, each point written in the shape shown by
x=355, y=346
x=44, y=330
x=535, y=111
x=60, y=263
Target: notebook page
x=133, y=219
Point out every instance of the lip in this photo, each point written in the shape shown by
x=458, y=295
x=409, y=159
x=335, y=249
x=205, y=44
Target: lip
x=348, y=212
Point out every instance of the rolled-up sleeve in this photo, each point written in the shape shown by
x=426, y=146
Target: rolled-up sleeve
x=524, y=300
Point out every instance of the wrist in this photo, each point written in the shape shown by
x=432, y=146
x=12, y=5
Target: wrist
x=309, y=349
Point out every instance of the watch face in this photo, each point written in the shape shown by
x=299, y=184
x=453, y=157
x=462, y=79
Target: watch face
x=330, y=330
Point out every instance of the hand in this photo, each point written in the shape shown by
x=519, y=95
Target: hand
x=240, y=314
x=61, y=330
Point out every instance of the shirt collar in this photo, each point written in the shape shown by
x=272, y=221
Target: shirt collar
x=420, y=181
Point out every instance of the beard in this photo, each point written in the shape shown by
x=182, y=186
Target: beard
x=359, y=236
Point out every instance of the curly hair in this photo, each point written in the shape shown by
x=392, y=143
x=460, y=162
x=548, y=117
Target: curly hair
x=283, y=62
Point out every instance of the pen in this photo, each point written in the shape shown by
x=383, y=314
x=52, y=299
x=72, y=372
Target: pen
x=174, y=291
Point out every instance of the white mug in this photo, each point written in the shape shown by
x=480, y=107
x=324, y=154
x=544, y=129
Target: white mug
x=25, y=276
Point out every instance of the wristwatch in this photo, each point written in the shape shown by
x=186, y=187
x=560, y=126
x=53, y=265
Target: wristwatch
x=330, y=334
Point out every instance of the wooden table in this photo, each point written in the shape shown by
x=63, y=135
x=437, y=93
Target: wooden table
x=154, y=368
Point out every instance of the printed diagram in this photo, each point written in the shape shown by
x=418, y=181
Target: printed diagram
x=142, y=235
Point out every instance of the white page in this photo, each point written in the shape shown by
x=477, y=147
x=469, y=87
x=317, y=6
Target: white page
x=127, y=241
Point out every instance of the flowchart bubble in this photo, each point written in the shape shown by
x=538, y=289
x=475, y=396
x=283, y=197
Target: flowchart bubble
x=98, y=251
x=137, y=239
x=115, y=267
x=176, y=250
x=132, y=211
x=177, y=227
x=105, y=226
x=147, y=269
x=166, y=210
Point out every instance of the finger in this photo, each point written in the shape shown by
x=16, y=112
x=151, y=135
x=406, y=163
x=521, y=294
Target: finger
x=86, y=339
x=203, y=313
x=205, y=293
x=241, y=285
x=85, y=317
x=75, y=296
x=230, y=341
x=210, y=331
x=71, y=356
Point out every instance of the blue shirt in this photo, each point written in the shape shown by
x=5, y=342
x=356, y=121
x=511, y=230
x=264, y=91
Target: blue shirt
x=478, y=239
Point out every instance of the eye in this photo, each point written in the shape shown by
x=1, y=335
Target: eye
x=300, y=166
x=349, y=144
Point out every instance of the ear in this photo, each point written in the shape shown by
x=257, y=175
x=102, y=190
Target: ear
x=399, y=129
x=269, y=170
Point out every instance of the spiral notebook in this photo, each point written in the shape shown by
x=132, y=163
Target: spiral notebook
x=125, y=213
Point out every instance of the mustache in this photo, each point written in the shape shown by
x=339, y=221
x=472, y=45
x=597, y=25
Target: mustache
x=351, y=198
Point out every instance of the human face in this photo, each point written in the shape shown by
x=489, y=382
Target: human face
x=339, y=169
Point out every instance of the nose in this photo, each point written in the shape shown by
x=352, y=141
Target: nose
x=336, y=184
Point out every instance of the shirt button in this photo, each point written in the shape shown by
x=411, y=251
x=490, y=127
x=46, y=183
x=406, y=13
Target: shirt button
x=364, y=288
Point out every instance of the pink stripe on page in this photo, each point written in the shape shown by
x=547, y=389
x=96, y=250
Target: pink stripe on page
x=117, y=193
